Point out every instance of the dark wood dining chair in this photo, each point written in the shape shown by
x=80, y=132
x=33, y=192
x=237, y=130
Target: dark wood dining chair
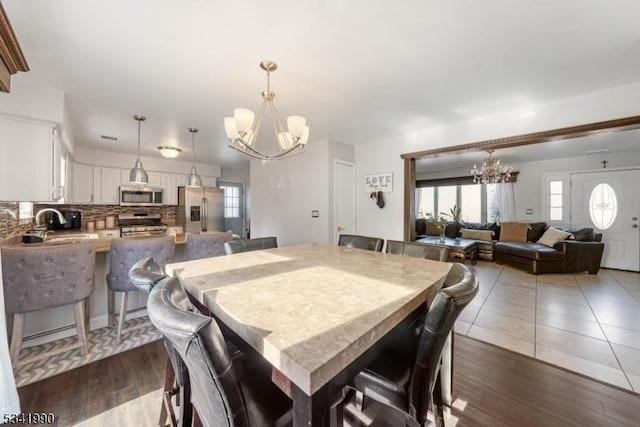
x=361, y=242
x=247, y=245
x=406, y=378
x=224, y=391
x=418, y=250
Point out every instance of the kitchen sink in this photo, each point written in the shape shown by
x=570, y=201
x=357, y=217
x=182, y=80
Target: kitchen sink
x=71, y=237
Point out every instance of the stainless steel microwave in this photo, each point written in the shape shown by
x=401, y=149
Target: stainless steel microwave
x=140, y=195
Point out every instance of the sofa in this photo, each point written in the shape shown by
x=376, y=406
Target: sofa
x=581, y=250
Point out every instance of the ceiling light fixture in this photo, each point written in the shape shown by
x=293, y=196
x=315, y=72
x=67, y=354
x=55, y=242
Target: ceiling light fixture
x=491, y=171
x=169, y=152
x=137, y=174
x=242, y=129
x=193, y=180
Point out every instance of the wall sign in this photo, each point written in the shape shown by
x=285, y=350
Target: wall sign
x=379, y=182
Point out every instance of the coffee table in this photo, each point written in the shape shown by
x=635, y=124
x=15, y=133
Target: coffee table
x=458, y=248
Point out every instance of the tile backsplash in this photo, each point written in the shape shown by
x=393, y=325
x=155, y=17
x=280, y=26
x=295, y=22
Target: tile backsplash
x=11, y=225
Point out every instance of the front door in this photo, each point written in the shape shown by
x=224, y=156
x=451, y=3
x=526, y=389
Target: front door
x=344, y=199
x=609, y=201
x=233, y=206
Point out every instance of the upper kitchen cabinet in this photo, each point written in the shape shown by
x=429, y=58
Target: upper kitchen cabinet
x=209, y=181
x=29, y=161
x=106, y=185
x=81, y=183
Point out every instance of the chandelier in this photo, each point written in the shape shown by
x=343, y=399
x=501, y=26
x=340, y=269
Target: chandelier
x=491, y=171
x=242, y=129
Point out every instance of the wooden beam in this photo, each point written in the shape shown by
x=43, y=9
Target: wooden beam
x=409, y=199
x=11, y=56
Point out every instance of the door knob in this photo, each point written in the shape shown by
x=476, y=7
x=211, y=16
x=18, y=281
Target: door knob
x=635, y=226
x=341, y=228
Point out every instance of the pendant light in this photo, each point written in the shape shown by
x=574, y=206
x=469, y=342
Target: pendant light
x=138, y=174
x=193, y=180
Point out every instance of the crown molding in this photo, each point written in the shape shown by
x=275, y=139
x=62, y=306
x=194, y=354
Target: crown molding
x=10, y=53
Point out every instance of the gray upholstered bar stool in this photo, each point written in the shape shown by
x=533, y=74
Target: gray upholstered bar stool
x=125, y=253
x=248, y=245
x=45, y=277
x=361, y=242
x=418, y=250
x=207, y=245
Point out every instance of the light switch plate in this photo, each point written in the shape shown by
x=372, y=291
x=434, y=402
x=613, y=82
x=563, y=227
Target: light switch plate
x=315, y=214
x=528, y=211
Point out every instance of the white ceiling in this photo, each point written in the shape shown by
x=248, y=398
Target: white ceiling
x=359, y=71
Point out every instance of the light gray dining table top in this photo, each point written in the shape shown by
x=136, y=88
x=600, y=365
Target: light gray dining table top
x=311, y=309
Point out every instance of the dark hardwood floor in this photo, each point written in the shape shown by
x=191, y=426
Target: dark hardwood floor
x=492, y=387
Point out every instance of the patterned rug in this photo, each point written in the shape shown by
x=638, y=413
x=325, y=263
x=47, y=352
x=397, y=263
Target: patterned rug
x=34, y=366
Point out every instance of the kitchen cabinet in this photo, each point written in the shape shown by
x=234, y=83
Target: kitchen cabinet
x=27, y=161
x=106, y=185
x=155, y=178
x=81, y=183
x=209, y=181
x=170, y=188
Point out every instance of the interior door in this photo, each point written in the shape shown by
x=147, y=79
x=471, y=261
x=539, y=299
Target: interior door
x=609, y=201
x=233, y=206
x=344, y=199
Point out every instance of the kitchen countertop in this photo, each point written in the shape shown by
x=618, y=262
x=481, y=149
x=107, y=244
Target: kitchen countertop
x=102, y=245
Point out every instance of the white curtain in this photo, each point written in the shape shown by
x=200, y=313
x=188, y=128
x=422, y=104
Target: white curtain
x=9, y=403
x=506, y=201
x=418, y=201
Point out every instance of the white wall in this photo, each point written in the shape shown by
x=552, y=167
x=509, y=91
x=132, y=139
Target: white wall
x=384, y=156
x=284, y=192
x=31, y=100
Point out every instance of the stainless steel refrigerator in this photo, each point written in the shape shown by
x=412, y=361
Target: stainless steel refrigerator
x=200, y=209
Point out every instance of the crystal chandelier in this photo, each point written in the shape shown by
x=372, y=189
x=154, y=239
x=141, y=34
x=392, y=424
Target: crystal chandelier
x=491, y=171
x=242, y=129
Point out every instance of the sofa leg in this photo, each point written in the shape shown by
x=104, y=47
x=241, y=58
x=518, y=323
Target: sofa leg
x=594, y=271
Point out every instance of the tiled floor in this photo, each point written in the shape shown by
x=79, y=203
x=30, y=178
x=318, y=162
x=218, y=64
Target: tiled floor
x=588, y=324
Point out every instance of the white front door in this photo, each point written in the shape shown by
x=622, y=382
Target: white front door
x=609, y=201
x=344, y=198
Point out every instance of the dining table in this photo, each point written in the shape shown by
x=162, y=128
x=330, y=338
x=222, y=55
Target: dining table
x=314, y=311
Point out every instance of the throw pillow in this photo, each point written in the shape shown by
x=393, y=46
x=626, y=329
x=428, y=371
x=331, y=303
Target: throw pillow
x=584, y=234
x=467, y=233
x=553, y=236
x=432, y=229
x=514, y=232
x=536, y=230
x=421, y=226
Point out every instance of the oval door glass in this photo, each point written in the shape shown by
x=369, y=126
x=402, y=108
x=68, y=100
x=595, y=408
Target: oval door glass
x=603, y=206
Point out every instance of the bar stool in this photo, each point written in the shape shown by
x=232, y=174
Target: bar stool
x=248, y=245
x=361, y=242
x=45, y=277
x=125, y=253
x=207, y=245
x=418, y=250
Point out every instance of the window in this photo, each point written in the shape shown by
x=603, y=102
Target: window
x=472, y=199
x=555, y=201
x=493, y=205
x=471, y=203
x=232, y=195
x=603, y=206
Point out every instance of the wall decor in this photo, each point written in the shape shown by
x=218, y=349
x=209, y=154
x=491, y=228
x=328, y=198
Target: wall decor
x=379, y=182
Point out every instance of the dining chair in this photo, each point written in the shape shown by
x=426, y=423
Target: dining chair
x=224, y=391
x=407, y=378
x=418, y=250
x=124, y=253
x=361, y=242
x=247, y=245
x=206, y=245
x=145, y=275
x=45, y=277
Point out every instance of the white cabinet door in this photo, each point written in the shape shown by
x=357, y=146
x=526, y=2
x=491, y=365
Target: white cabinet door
x=155, y=178
x=170, y=188
x=106, y=184
x=81, y=183
x=26, y=160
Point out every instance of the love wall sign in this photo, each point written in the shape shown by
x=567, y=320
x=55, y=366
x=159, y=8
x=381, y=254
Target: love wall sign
x=378, y=182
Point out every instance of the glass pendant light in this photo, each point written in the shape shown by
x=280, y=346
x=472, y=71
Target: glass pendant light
x=193, y=180
x=138, y=174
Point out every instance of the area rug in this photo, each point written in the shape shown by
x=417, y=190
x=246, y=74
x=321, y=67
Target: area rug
x=33, y=366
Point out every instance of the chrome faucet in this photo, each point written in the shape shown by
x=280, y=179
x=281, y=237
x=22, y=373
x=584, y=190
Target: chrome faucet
x=41, y=211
